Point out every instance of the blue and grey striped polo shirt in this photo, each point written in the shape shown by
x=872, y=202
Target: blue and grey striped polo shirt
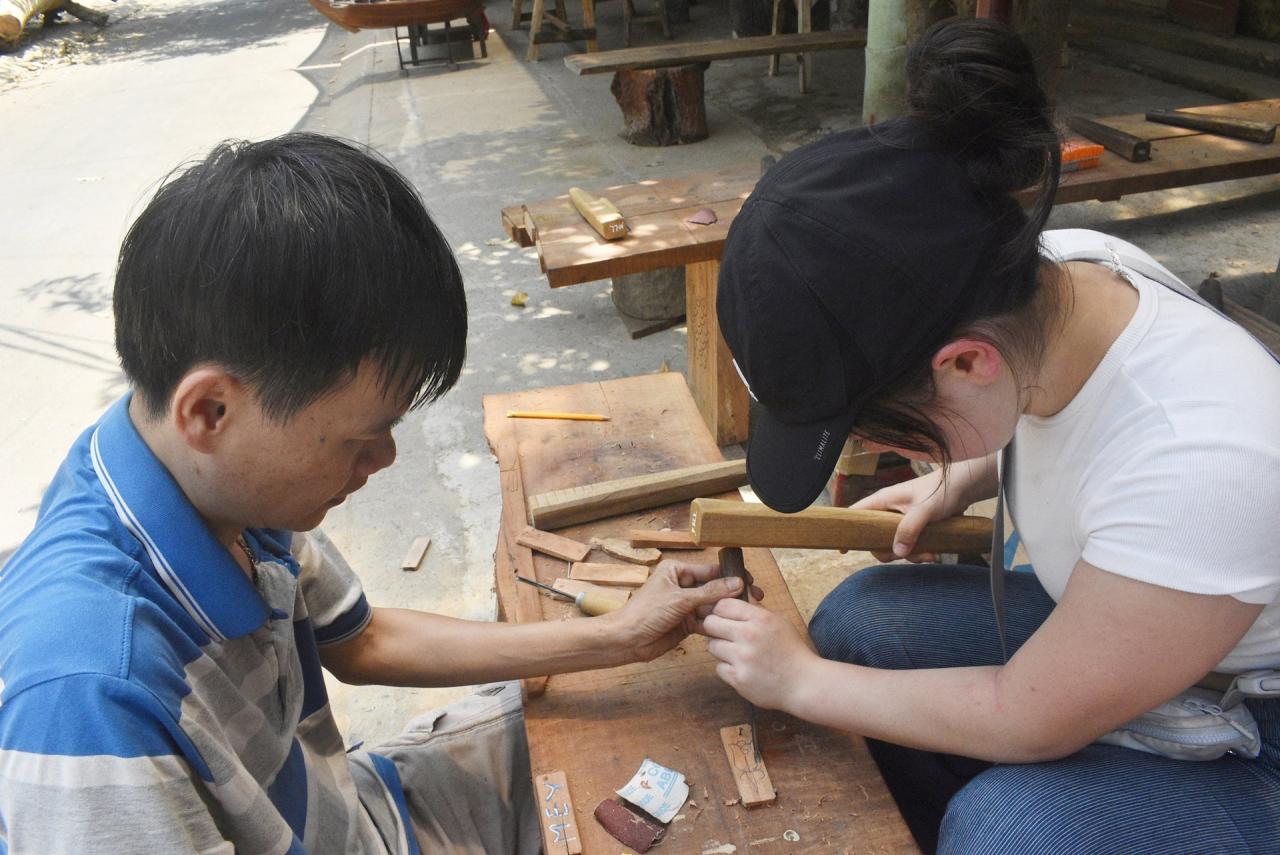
x=152, y=697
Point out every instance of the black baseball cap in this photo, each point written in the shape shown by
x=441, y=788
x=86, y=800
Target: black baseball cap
x=849, y=263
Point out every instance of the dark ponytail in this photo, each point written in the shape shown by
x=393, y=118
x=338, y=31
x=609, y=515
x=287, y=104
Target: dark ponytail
x=972, y=84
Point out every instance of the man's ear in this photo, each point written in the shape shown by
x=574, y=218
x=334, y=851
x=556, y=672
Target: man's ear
x=205, y=403
x=969, y=359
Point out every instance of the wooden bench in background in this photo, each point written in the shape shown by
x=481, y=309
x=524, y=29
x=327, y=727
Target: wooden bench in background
x=660, y=87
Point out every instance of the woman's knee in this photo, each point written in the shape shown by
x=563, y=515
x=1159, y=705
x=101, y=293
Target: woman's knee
x=849, y=624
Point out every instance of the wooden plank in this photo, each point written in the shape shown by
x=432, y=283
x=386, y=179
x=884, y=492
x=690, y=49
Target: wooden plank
x=717, y=388
x=752, y=778
x=662, y=539
x=610, y=498
x=618, y=575
x=553, y=544
x=417, y=550
x=598, y=726
x=528, y=605
x=680, y=53
x=719, y=523
x=559, y=820
x=578, y=586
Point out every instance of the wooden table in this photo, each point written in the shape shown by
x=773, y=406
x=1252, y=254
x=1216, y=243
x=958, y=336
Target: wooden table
x=597, y=727
x=570, y=252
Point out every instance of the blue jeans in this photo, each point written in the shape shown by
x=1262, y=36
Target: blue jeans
x=1102, y=799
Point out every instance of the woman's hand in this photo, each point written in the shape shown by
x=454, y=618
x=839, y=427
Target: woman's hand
x=930, y=498
x=668, y=607
x=760, y=655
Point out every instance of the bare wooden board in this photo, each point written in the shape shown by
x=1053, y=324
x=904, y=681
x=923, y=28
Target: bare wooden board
x=752, y=778
x=662, y=539
x=609, y=498
x=680, y=53
x=578, y=586
x=553, y=544
x=625, y=575
x=559, y=819
x=417, y=550
x=599, y=726
x=719, y=523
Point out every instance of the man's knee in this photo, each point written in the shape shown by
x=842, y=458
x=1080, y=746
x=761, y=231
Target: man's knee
x=851, y=623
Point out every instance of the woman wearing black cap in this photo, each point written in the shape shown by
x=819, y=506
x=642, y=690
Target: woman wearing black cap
x=885, y=283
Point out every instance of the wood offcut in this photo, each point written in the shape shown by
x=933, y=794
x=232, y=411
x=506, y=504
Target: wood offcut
x=555, y=809
x=554, y=545
x=661, y=539
x=624, y=551
x=715, y=522
x=417, y=550
x=752, y=778
x=614, y=575
x=561, y=508
x=601, y=214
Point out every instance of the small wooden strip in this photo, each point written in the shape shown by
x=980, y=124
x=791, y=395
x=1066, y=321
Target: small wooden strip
x=681, y=53
x=610, y=574
x=413, y=558
x=716, y=522
x=576, y=587
x=555, y=810
x=609, y=498
x=624, y=551
x=752, y=778
x=661, y=539
x=601, y=214
x=563, y=548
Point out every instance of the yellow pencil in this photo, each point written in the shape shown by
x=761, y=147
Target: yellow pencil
x=540, y=414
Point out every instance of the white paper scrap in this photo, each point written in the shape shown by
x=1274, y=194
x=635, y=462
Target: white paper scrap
x=657, y=790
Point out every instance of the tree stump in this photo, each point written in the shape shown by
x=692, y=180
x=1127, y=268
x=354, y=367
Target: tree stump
x=662, y=106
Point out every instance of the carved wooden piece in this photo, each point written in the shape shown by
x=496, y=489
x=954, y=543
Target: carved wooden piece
x=623, y=575
x=555, y=811
x=624, y=551
x=560, y=508
x=719, y=523
x=752, y=778
x=553, y=544
x=662, y=539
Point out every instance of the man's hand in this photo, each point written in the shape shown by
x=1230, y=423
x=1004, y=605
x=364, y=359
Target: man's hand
x=761, y=656
x=669, y=606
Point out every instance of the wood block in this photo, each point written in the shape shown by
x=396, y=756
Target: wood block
x=752, y=778
x=555, y=810
x=718, y=390
x=632, y=575
x=662, y=539
x=576, y=586
x=413, y=558
x=553, y=544
x=600, y=214
x=715, y=522
x=622, y=550
x=561, y=508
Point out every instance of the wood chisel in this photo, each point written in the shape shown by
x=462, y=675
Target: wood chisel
x=589, y=603
x=732, y=565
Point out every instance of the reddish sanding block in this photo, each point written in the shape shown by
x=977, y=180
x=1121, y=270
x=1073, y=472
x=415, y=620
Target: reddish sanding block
x=628, y=827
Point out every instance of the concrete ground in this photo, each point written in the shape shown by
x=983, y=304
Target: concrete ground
x=91, y=120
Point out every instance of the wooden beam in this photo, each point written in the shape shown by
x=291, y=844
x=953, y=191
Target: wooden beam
x=563, y=548
x=624, y=575
x=717, y=389
x=561, y=508
x=722, y=523
x=662, y=56
x=752, y=778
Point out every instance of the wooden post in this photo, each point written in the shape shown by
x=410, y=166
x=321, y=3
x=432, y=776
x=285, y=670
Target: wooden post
x=535, y=27
x=717, y=389
x=662, y=106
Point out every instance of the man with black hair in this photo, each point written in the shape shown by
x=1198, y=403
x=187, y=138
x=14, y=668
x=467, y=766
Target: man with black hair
x=279, y=307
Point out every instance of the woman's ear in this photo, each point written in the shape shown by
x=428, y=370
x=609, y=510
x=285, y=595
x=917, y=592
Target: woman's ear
x=969, y=359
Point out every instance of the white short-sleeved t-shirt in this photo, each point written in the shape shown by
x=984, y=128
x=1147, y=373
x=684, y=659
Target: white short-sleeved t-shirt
x=1165, y=467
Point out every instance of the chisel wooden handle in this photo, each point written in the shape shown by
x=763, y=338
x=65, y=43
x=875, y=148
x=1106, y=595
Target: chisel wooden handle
x=719, y=522
x=1259, y=132
x=1126, y=145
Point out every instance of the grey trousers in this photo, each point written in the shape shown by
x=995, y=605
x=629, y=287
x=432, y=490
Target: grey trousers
x=465, y=772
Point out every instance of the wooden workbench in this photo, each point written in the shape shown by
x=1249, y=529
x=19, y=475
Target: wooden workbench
x=570, y=252
x=597, y=727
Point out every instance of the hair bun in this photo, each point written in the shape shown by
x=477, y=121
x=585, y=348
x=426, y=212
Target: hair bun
x=973, y=83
